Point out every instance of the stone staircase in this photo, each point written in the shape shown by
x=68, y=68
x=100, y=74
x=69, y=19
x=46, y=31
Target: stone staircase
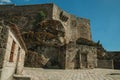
x=18, y=77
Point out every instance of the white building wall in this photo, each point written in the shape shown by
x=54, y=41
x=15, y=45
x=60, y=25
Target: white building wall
x=10, y=67
x=20, y=64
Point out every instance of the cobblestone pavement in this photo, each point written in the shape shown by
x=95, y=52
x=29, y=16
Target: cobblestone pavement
x=78, y=74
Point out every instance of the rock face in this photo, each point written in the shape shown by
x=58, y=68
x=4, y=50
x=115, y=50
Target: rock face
x=51, y=33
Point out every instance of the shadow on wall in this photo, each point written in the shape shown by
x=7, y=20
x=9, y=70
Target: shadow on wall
x=116, y=64
x=52, y=64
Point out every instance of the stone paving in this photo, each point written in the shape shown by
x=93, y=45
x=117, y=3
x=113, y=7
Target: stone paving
x=78, y=74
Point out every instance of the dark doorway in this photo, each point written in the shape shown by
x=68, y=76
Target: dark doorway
x=77, y=61
x=116, y=64
x=84, y=60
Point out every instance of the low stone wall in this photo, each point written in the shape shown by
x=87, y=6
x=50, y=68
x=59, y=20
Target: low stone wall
x=105, y=64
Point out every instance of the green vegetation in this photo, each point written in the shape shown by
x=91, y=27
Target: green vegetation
x=39, y=17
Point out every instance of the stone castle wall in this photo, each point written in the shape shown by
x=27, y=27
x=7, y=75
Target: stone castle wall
x=75, y=28
x=24, y=16
x=66, y=23
x=83, y=28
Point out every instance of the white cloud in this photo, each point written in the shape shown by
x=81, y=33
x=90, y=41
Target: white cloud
x=5, y=1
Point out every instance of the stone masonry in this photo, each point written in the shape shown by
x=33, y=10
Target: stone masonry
x=52, y=39
x=3, y=41
x=53, y=34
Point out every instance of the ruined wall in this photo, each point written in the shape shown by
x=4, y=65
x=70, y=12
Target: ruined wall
x=88, y=56
x=74, y=28
x=83, y=56
x=47, y=41
x=3, y=43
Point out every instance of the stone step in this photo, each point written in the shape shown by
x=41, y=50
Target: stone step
x=21, y=77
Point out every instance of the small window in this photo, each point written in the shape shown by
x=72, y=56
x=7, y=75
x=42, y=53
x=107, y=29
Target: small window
x=63, y=16
x=12, y=52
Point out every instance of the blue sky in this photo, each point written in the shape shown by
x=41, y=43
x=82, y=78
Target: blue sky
x=103, y=14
